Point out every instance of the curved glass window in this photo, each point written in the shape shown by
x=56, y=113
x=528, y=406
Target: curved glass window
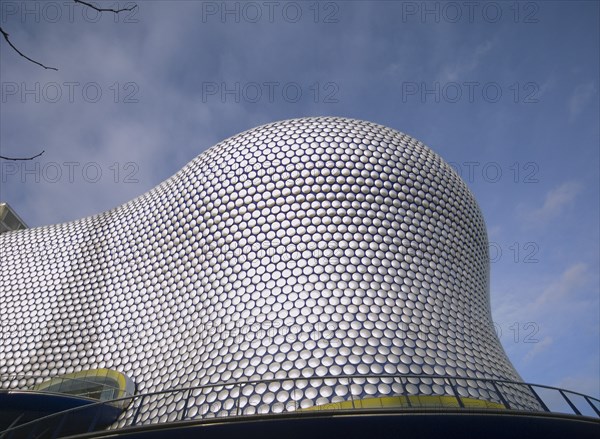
x=98, y=384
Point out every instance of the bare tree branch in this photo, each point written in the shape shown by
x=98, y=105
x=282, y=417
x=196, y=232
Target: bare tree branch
x=116, y=11
x=89, y=5
x=25, y=158
x=22, y=54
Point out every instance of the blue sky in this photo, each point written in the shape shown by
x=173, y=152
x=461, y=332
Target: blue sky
x=507, y=92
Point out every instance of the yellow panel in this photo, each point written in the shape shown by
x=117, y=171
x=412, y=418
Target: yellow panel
x=407, y=402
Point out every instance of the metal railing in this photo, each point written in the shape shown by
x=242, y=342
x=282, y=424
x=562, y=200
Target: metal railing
x=545, y=397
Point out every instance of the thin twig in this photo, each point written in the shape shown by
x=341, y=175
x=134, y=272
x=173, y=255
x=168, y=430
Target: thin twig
x=22, y=54
x=116, y=11
x=89, y=5
x=25, y=158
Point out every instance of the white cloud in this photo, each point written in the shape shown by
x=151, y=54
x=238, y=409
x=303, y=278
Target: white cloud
x=582, y=94
x=456, y=70
x=546, y=302
x=539, y=347
x=494, y=232
x=572, y=278
x=556, y=200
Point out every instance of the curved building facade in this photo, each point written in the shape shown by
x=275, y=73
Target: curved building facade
x=308, y=248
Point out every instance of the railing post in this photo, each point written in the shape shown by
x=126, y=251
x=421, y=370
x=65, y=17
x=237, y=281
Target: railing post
x=37, y=436
x=544, y=406
x=32, y=432
x=293, y=393
x=564, y=395
x=404, y=392
x=185, y=404
x=237, y=400
x=593, y=405
x=137, y=412
x=16, y=422
x=95, y=420
x=500, y=395
x=456, y=395
x=56, y=432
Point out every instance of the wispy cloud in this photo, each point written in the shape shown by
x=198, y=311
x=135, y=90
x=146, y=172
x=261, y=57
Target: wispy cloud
x=494, y=231
x=551, y=317
x=457, y=69
x=539, y=347
x=572, y=278
x=554, y=296
x=555, y=201
x=580, y=97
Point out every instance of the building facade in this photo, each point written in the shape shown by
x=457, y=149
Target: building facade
x=306, y=249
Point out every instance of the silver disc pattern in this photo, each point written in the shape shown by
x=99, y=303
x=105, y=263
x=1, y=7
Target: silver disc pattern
x=308, y=248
